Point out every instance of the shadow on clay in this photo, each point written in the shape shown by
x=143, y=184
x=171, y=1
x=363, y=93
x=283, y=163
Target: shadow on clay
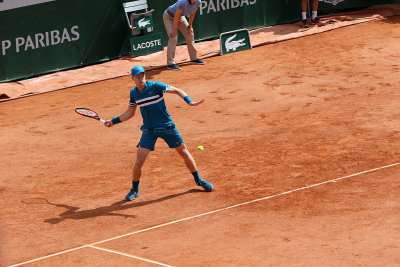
x=74, y=213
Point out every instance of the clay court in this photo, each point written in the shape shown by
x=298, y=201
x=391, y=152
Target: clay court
x=301, y=142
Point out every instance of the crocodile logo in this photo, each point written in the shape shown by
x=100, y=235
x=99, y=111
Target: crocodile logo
x=143, y=22
x=231, y=44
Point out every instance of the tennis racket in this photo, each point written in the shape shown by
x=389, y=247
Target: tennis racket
x=88, y=113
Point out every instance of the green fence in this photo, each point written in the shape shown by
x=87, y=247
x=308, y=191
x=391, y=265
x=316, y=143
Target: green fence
x=59, y=35
x=45, y=36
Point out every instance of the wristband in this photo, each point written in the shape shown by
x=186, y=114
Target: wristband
x=116, y=120
x=187, y=99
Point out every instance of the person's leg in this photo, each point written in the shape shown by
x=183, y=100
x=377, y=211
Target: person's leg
x=304, y=9
x=314, y=18
x=141, y=156
x=187, y=157
x=304, y=13
x=191, y=165
x=314, y=9
x=169, y=27
x=189, y=37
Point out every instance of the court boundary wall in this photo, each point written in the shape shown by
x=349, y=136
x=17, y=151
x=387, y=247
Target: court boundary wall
x=48, y=36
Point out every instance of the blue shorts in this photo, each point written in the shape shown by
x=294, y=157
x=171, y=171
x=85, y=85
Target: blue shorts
x=170, y=135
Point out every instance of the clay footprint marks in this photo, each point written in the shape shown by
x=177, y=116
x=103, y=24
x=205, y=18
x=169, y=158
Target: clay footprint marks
x=35, y=132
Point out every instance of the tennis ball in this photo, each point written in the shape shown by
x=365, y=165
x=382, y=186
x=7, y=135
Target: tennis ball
x=200, y=148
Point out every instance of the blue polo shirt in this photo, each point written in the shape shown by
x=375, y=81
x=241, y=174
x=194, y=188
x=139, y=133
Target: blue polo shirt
x=152, y=105
x=186, y=7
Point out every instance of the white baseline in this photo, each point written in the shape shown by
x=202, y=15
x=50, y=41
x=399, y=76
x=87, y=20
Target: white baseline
x=130, y=256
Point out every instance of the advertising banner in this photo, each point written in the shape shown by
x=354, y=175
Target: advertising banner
x=146, y=44
x=44, y=36
x=235, y=41
x=144, y=22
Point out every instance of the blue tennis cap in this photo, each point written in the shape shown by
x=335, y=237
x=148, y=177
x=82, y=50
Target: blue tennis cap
x=137, y=70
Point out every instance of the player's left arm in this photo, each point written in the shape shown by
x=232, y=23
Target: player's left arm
x=184, y=96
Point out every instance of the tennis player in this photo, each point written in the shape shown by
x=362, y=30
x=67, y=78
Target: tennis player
x=157, y=123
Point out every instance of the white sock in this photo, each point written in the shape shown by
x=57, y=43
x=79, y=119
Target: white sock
x=304, y=15
x=314, y=14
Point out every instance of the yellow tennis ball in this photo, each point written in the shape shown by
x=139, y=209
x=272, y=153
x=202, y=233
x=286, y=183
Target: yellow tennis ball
x=200, y=148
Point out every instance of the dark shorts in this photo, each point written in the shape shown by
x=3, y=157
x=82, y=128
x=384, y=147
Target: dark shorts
x=170, y=135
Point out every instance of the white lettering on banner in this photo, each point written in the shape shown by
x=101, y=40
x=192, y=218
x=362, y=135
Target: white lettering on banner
x=74, y=32
x=29, y=43
x=38, y=40
x=18, y=42
x=235, y=3
x=213, y=6
x=4, y=46
x=65, y=36
x=47, y=39
x=221, y=5
x=147, y=44
x=55, y=37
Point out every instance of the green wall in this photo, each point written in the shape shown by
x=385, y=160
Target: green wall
x=63, y=34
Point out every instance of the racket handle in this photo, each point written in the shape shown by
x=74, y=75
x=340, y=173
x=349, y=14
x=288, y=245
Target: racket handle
x=102, y=121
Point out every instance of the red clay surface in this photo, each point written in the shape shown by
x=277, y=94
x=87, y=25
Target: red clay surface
x=276, y=118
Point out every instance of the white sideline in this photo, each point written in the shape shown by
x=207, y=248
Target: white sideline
x=202, y=214
x=130, y=256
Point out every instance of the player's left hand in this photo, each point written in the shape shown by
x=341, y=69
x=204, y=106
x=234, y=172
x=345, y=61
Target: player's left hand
x=195, y=103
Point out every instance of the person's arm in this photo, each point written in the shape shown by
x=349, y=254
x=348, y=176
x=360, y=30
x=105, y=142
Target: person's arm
x=177, y=17
x=184, y=96
x=129, y=113
x=191, y=18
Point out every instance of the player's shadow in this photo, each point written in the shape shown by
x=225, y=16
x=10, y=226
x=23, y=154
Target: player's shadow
x=74, y=213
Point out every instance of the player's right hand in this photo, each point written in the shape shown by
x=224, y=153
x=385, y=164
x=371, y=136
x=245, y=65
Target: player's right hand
x=108, y=123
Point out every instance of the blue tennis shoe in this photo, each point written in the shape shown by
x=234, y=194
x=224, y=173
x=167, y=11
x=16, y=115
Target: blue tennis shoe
x=206, y=185
x=132, y=195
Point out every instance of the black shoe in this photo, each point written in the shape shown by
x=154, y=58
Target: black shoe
x=173, y=67
x=132, y=195
x=203, y=183
x=304, y=24
x=318, y=22
x=197, y=62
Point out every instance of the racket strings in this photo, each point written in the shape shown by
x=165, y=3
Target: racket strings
x=86, y=112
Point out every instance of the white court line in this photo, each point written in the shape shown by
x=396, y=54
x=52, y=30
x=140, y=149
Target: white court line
x=130, y=256
x=207, y=213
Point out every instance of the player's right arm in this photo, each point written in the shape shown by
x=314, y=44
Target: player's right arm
x=129, y=113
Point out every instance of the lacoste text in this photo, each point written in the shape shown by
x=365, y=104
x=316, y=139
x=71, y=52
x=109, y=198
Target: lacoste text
x=147, y=44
